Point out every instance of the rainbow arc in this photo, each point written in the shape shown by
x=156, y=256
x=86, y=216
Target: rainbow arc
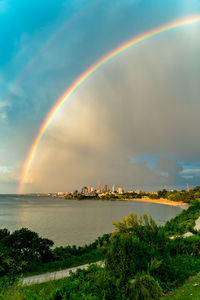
x=75, y=85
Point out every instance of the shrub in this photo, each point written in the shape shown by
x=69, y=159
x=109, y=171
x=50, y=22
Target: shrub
x=131, y=248
x=92, y=284
x=145, y=287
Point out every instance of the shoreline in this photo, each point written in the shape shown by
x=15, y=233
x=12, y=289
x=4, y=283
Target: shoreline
x=147, y=200
x=158, y=201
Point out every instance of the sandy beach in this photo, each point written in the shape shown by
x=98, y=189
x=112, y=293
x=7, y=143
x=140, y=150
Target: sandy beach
x=159, y=201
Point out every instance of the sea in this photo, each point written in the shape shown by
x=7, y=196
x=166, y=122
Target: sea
x=74, y=222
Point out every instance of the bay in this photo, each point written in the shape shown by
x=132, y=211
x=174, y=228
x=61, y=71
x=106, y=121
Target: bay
x=73, y=222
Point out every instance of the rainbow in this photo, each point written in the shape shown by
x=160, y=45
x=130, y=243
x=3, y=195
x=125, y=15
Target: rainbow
x=76, y=84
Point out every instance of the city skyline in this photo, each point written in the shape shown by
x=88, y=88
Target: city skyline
x=135, y=119
x=119, y=190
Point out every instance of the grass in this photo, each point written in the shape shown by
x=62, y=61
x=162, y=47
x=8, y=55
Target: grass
x=186, y=291
x=70, y=262
x=40, y=291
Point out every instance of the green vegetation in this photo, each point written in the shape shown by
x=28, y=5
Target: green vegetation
x=177, y=196
x=24, y=252
x=185, y=221
x=19, y=249
x=189, y=290
x=132, y=195
x=141, y=261
x=36, y=291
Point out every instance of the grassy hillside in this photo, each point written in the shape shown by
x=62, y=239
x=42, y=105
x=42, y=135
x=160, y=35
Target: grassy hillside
x=187, y=290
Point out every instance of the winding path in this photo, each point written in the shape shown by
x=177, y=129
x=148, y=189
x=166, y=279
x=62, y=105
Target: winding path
x=53, y=275
x=66, y=273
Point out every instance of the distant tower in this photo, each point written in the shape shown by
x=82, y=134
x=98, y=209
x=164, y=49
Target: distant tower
x=188, y=188
x=106, y=188
x=99, y=187
x=113, y=188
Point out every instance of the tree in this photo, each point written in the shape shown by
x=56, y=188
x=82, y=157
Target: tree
x=21, y=248
x=3, y=233
x=133, y=245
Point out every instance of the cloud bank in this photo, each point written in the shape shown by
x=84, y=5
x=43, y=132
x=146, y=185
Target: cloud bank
x=143, y=102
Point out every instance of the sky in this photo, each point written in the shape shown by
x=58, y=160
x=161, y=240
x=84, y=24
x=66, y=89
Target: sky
x=134, y=122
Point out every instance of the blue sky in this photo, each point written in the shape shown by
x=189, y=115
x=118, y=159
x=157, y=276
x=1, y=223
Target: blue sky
x=45, y=45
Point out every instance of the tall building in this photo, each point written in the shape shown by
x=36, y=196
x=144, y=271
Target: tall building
x=99, y=187
x=120, y=190
x=90, y=189
x=106, y=188
x=188, y=188
x=84, y=190
x=113, y=188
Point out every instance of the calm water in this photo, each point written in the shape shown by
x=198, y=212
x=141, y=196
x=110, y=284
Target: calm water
x=69, y=222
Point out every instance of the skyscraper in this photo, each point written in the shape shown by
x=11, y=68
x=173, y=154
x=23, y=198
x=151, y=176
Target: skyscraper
x=89, y=189
x=113, y=188
x=99, y=187
x=106, y=188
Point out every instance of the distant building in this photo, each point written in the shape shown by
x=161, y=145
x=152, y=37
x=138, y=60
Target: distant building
x=137, y=191
x=99, y=187
x=188, y=188
x=120, y=190
x=84, y=190
x=90, y=190
x=106, y=188
x=113, y=188
x=60, y=193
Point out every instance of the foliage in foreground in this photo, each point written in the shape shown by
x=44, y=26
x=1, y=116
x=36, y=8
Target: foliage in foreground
x=145, y=287
x=189, y=290
x=23, y=251
x=141, y=262
x=139, y=245
x=185, y=221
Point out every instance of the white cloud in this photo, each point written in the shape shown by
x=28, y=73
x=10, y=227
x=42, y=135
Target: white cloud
x=9, y=174
x=190, y=171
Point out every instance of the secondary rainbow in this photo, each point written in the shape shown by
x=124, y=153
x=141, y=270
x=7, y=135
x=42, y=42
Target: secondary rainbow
x=75, y=85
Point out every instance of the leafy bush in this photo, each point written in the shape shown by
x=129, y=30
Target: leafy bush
x=132, y=246
x=145, y=287
x=138, y=244
x=189, y=245
x=92, y=284
x=174, y=270
x=21, y=247
x=183, y=222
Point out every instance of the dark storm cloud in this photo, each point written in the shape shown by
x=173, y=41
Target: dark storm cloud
x=144, y=102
